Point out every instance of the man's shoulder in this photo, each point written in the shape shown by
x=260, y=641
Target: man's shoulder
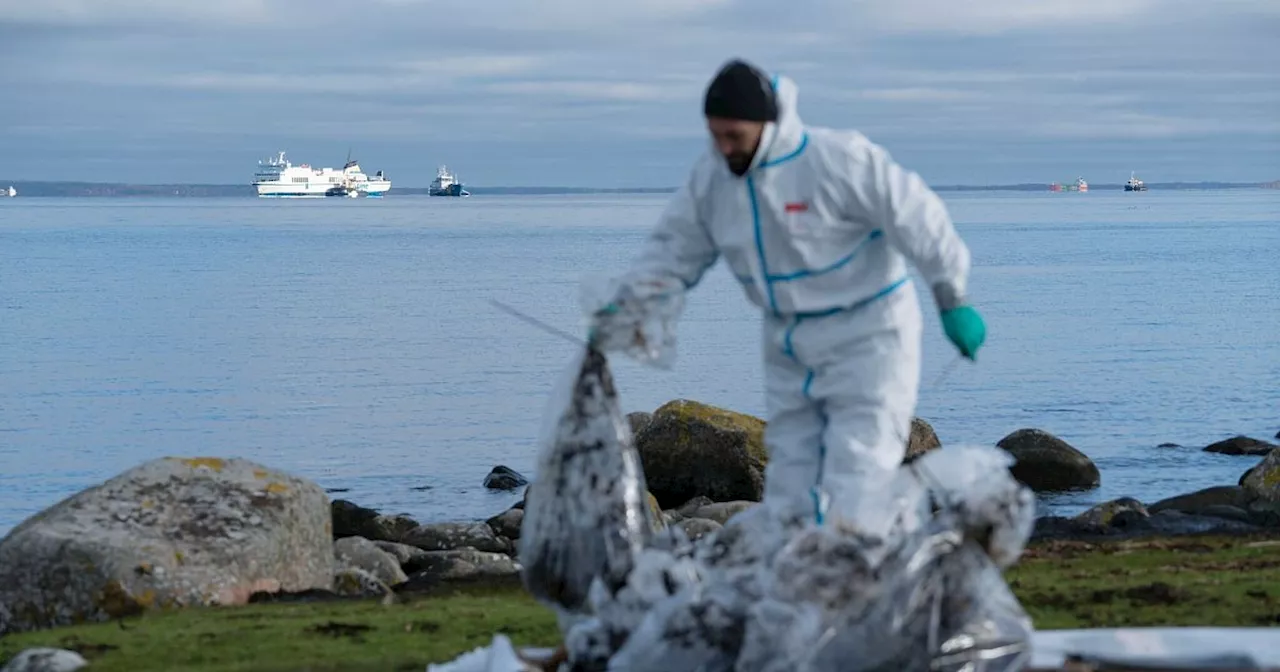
x=841, y=146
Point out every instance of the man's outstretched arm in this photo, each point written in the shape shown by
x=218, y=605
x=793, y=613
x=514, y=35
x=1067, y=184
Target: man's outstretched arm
x=915, y=221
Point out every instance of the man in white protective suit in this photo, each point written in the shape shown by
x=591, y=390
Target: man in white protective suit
x=818, y=225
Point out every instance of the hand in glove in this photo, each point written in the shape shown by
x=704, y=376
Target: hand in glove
x=963, y=325
x=965, y=328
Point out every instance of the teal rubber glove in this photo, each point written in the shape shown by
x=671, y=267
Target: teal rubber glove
x=607, y=310
x=965, y=328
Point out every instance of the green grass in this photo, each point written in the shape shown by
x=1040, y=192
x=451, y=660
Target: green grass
x=1062, y=585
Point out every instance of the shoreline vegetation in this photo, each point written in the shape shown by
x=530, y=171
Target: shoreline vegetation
x=211, y=563
x=61, y=189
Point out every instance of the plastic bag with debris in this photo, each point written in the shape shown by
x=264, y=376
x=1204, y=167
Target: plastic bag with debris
x=585, y=514
x=930, y=598
x=635, y=316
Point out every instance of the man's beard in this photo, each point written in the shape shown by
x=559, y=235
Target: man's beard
x=739, y=162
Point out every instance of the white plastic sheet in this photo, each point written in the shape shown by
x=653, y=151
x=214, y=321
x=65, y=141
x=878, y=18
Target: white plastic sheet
x=1165, y=648
x=637, y=317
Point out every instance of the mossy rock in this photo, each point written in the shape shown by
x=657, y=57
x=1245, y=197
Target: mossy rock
x=1262, y=483
x=690, y=449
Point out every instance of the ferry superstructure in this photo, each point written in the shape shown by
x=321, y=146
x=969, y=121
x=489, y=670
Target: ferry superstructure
x=278, y=178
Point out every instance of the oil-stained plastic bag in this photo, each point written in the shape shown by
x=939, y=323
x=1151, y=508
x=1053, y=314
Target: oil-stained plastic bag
x=585, y=513
x=930, y=599
x=635, y=315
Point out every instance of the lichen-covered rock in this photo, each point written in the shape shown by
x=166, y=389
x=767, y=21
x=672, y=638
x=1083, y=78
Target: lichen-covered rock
x=721, y=512
x=691, y=449
x=1198, y=501
x=43, y=659
x=168, y=533
x=1240, y=445
x=360, y=553
x=507, y=524
x=1262, y=483
x=1046, y=463
x=356, y=582
x=503, y=477
x=1102, y=514
x=922, y=440
x=353, y=520
x=454, y=536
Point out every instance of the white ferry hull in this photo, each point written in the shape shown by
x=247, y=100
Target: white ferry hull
x=315, y=190
x=278, y=178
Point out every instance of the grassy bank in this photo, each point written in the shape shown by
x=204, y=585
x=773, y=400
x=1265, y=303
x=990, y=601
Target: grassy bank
x=1205, y=581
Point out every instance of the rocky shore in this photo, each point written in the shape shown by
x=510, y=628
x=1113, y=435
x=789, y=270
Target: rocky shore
x=179, y=532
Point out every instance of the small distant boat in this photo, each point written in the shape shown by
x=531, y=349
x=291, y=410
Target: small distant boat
x=1080, y=185
x=1134, y=184
x=11, y=191
x=446, y=184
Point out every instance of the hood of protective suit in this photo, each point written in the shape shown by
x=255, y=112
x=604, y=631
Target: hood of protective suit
x=782, y=137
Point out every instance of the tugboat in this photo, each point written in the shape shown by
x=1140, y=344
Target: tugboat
x=446, y=184
x=1134, y=184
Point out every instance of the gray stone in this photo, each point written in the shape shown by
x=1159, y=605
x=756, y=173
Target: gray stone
x=1195, y=502
x=44, y=659
x=355, y=582
x=507, y=524
x=352, y=520
x=408, y=556
x=638, y=420
x=688, y=508
x=1102, y=514
x=504, y=478
x=454, y=536
x=169, y=533
x=1046, y=463
x=921, y=440
x=721, y=512
x=464, y=565
x=1241, y=445
x=360, y=553
x=697, y=528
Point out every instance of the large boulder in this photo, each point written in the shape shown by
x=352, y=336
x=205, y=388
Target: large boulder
x=922, y=440
x=1046, y=463
x=689, y=449
x=171, y=532
x=1241, y=445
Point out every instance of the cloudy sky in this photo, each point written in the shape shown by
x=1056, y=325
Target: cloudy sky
x=607, y=93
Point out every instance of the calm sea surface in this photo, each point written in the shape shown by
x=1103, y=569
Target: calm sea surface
x=352, y=341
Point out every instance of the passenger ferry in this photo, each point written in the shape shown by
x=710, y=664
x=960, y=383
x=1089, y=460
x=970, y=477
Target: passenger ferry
x=278, y=178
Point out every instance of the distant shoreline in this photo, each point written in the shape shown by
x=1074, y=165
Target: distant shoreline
x=107, y=189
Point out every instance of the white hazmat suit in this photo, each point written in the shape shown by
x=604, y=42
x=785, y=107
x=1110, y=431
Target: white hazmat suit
x=819, y=232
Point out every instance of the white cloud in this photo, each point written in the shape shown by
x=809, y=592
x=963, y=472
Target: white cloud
x=126, y=11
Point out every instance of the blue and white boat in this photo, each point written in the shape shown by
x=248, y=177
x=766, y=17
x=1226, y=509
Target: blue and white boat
x=278, y=178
